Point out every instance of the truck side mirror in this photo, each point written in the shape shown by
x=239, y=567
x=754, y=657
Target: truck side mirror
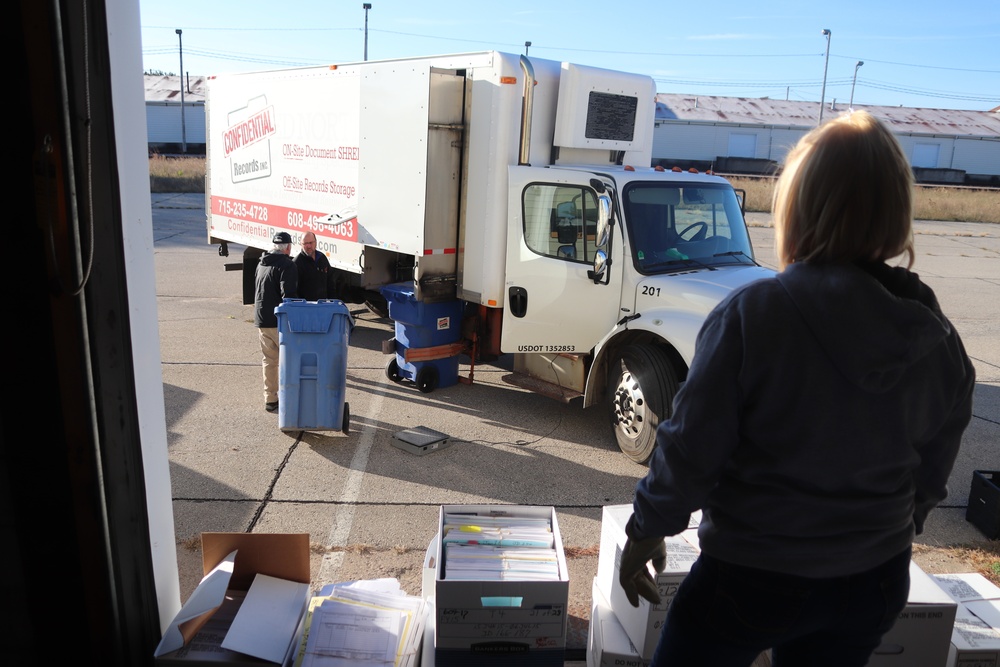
x=600, y=265
x=603, y=219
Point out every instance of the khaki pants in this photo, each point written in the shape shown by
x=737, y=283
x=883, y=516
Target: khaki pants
x=269, y=359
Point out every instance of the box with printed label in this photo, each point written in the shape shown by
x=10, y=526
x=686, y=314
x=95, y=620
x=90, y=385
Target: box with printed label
x=248, y=608
x=500, y=612
x=642, y=623
x=975, y=639
x=607, y=643
x=922, y=633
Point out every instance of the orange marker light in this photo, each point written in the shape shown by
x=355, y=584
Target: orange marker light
x=508, y=79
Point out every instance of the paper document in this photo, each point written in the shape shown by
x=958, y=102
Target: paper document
x=265, y=625
x=206, y=599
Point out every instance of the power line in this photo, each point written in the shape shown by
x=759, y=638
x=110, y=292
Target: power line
x=950, y=69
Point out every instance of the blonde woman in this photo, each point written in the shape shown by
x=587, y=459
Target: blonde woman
x=817, y=428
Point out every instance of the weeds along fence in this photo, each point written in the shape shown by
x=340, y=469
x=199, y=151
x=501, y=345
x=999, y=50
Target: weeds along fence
x=932, y=202
x=954, y=203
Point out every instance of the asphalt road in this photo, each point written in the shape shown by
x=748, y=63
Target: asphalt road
x=370, y=508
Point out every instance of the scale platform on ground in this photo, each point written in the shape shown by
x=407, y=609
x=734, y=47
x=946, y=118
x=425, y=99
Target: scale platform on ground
x=420, y=440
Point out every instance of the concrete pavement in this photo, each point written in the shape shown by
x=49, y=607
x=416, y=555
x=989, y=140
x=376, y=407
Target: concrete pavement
x=370, y=508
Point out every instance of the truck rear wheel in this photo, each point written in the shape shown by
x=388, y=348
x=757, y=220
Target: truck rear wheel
x=641, y=389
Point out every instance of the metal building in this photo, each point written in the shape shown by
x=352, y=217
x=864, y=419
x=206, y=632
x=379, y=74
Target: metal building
x=750, y=135
x=169, y=130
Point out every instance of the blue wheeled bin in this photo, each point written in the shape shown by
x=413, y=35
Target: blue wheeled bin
x=423, y=325
x=312, y=365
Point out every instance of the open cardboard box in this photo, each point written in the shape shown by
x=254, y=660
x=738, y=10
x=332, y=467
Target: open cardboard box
x=922, y=633
x=234, y=615
x=643, y=623
x=489, y=623
x=975, y=639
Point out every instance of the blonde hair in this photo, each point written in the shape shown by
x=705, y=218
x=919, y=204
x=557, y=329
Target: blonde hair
x=845, y=195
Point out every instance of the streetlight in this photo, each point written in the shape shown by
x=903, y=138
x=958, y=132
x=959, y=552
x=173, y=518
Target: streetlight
x=366, y=6
x=180, y=49
x=822, y=95
x=860, y=63
x=526, y=45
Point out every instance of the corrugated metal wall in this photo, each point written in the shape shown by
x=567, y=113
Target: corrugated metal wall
x=980, y=156
x=163, y=123
x=682, y=141
x=706, y=141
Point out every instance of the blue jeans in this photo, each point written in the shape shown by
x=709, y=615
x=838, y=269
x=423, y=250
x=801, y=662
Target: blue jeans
x=725, y=615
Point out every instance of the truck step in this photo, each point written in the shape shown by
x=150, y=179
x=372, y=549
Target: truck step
x=541, y=387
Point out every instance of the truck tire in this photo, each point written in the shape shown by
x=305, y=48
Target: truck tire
x=641, y=389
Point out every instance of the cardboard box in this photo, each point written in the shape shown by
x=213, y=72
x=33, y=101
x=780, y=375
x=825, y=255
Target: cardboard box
x=485, y=622
x=984, y=502
x=234, y=614
x=608, y=644
x=642, y=623
x=921, y=636
x=975, y=639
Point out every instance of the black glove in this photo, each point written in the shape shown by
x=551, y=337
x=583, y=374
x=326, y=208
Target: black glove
x=634, y=576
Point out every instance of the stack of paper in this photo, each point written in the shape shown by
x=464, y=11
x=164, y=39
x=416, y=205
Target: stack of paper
x=362, y=623
x=498, y=548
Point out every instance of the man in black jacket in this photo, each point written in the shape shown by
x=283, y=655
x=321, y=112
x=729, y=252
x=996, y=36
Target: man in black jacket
x=314, y=270
x=276, y=279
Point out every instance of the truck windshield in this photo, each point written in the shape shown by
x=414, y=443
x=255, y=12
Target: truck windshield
x=674, y=227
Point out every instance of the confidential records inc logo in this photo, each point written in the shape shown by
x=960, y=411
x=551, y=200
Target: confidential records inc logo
x=246, y=140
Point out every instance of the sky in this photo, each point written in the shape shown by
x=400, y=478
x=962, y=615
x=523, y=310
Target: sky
x=915, y=53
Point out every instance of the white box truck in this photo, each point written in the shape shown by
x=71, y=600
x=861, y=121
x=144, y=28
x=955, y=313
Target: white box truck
x=520, y=187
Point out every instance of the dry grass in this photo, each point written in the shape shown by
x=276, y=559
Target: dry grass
x=982, y=558
x=176, y=174
x=930, y=202
x=187, y=174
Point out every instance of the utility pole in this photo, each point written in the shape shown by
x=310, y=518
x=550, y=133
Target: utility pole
x=860, y=63
x=180, y=80
x=822, y=95
x=366, y=6
x=526, y=45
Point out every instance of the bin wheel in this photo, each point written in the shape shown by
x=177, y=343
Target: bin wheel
x=392, y=370
x=345, y=424
x=427, y=379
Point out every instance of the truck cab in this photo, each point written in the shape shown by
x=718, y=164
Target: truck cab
x=607, y=305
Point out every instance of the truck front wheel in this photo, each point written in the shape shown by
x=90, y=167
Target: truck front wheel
x=641, y=388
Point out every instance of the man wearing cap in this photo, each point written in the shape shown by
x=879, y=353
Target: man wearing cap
x=276, y=279
x=314, y=270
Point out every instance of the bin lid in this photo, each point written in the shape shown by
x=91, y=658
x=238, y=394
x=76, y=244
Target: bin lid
x=312, y=316
x=399, y=291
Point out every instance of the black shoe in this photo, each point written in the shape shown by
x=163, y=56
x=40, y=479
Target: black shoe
x=271, y=407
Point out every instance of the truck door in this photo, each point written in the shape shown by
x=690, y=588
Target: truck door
x=552, y=302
